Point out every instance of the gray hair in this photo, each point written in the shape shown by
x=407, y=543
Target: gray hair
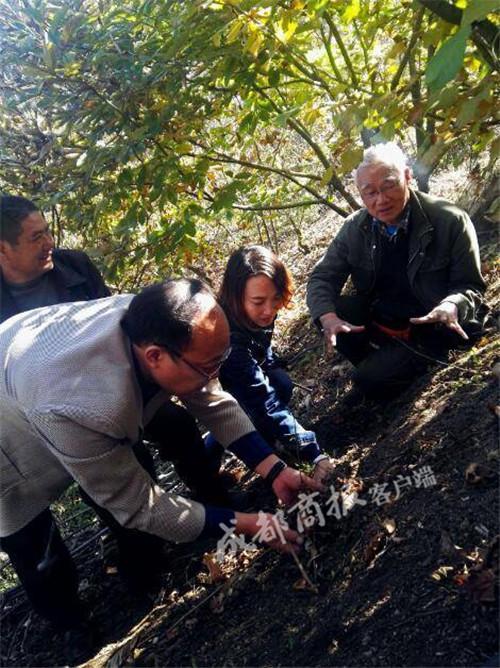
x=388, y=154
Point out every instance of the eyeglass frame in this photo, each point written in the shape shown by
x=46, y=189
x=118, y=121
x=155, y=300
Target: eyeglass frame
x=201, y=372
x=383, y=190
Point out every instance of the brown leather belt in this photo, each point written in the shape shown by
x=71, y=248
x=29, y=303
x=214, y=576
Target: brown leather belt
x=403, y=334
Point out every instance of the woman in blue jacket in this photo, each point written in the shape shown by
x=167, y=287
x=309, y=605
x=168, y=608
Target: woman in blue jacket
x=256, y=285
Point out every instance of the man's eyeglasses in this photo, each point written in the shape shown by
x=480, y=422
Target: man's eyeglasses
x=213, y=372
x=385, y=189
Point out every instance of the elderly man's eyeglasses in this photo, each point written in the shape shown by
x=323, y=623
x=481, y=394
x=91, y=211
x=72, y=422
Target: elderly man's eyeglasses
x=208, y=374
x=387, y=188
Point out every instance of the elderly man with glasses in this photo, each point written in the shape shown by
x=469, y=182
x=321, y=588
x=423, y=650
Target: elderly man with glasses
x=414, y=264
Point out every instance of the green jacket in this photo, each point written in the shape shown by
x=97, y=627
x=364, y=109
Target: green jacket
x=443, y=260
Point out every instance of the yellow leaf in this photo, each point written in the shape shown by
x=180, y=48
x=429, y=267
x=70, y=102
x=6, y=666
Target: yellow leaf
x=352, y=11
x=312, y=115
x=298, y=4
x=396, y=49
x=234, y=31
x=285, y=30
x=183, y=148
x=291, y=27
x=253, y=44
x=216, y=40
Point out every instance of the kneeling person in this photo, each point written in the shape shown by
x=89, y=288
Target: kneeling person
x=414, y=263
x=256, y=285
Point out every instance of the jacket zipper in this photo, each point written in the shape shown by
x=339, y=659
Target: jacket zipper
x=372, y=255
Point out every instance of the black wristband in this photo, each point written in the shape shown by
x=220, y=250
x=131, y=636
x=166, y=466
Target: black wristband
x=274, y=471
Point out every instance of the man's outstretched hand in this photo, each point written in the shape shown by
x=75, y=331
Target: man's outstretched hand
x=445, y=313
x=250, y=524
x=333, y=325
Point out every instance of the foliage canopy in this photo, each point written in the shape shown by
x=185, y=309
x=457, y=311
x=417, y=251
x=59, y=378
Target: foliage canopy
x=133, y=121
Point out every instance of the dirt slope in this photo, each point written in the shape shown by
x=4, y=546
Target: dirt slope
x=411, y=581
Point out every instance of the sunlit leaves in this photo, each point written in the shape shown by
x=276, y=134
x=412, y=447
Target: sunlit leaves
x=143, y=118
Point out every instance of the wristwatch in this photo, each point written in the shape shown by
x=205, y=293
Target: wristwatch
x=274, y=471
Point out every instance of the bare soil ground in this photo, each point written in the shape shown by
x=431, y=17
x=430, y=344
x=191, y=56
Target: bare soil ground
x=408, y=581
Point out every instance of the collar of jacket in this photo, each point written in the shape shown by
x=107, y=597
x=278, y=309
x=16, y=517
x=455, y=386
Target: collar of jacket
x=256, y=339
x=66, y=276
x=421, y=228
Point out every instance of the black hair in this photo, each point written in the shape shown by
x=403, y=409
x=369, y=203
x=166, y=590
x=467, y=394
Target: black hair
x=164, y=313
x=244, y=263
x=13, y=210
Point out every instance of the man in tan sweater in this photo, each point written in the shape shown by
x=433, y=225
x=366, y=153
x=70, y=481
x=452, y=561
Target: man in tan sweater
x=80, y=382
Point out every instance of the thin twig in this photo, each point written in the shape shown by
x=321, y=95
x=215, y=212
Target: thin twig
x=302, y=570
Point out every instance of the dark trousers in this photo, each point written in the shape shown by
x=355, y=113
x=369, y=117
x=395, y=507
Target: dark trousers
x=42, y=560
x=384, y=365
x=177, y=438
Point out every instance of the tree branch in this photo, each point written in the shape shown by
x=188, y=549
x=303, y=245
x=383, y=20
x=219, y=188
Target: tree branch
x=413, y=40
x=276, y=207
x=326, y=43
x=341, y=46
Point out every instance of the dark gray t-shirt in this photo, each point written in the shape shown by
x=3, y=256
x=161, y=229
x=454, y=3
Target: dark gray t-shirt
x=36, y=293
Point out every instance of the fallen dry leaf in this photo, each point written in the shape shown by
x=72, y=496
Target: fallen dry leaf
x=441, y=573
x=214, y=569
x=476, y=474
x=389, y=525
x=482, y=585
x=495, y=409
x=303, y=585
x=374, y=546
x=217, y=603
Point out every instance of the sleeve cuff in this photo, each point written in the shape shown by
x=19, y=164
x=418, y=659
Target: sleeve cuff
x=310, y=452
x=213, y=518
x=251, y=449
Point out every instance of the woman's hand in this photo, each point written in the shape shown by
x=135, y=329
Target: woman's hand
x=323, y=471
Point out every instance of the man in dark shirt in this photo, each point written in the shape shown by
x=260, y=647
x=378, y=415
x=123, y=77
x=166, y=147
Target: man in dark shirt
x=414, y=263
x=32, y=272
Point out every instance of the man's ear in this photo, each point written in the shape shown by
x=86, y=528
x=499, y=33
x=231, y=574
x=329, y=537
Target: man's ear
x=153, y=355
x=408, y=174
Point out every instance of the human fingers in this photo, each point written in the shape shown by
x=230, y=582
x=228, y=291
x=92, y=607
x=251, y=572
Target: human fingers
x=330, y=341
x=430, y=317
x=458, y=329
x=312, y=484
x=323, y=471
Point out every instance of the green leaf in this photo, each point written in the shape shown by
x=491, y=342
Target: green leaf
x=248, y=124
x=350, y=159
x=274, y=77
x=446, y=62
x=326, y=176
x=477, y=10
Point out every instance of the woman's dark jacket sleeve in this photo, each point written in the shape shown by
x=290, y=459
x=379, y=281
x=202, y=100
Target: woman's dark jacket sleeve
x=244, y=378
